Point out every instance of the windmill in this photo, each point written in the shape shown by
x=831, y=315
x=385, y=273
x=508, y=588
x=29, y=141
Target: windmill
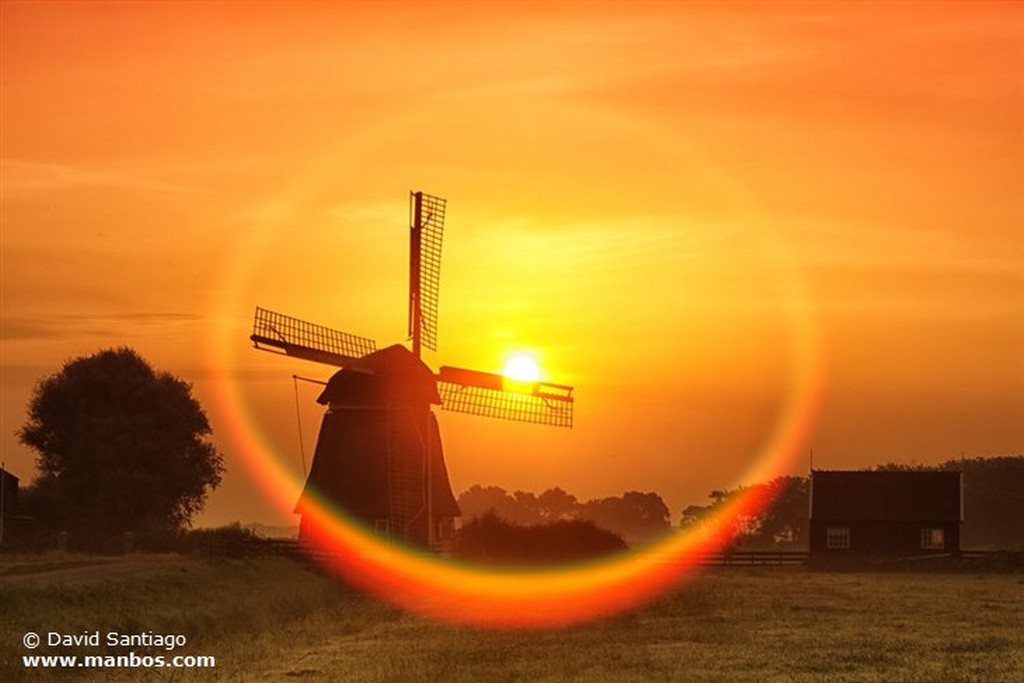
x=378, y=455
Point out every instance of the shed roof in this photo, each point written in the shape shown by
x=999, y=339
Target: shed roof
x=912, y=496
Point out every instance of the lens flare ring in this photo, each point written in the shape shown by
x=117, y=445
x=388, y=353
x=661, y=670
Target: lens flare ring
x=501, y=598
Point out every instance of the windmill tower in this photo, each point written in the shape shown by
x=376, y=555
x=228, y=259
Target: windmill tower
x=379, y=456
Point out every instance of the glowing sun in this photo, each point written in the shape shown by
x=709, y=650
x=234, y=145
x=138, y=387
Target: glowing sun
x=521, y=367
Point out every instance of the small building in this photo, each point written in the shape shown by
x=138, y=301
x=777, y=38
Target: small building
x=8, y=493
x=8, y=507
x=885, y=513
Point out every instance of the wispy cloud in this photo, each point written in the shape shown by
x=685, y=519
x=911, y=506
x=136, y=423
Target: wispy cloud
x=26, y=175
x=63, y=326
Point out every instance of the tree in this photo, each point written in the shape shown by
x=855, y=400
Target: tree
x=557, y=504
x=637, y=517
x=784, y=520
x=781, y=523
x=120, y=447
x=477, y=501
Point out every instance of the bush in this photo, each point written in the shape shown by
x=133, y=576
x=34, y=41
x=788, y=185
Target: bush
x=491, y=539
x=231, y=540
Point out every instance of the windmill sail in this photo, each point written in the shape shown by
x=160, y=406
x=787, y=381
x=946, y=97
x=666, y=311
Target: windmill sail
x=290, y=336
x=379, y=454
x=426, y=230
x=490, y=395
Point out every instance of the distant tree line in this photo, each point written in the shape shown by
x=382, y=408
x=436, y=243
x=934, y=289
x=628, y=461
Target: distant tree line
x=634, y=516
x=993, y=506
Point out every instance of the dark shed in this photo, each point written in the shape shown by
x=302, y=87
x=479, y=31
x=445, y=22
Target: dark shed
x=8, y=493
x=885, y=512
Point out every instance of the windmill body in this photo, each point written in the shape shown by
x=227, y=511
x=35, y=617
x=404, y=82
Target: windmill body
x=379, y=457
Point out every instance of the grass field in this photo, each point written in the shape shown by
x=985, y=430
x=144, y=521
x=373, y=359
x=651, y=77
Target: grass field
x=277, y=619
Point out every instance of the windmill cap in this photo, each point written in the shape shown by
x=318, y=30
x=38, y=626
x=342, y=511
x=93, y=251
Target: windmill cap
x=389, y=376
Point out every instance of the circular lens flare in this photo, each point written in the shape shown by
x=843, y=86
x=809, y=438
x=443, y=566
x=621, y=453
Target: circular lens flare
x=505, y=597
x=498, y=597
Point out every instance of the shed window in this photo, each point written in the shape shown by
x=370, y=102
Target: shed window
x=837, y=537
x=933, y=538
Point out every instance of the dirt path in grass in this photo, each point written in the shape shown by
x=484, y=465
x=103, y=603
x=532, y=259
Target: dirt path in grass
x=82, y=568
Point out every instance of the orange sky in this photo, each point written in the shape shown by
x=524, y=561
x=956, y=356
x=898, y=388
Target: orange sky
x=664, y=201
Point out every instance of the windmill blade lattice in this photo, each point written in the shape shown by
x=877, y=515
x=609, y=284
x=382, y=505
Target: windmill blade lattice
x=490, y=395
x=426, y=234
x=290, y=336
x=461, y=390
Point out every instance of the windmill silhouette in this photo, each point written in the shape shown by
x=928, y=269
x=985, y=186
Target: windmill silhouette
x=378, y=456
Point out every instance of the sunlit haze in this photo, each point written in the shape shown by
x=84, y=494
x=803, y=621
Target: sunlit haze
x=521, y=367
x=698, y=215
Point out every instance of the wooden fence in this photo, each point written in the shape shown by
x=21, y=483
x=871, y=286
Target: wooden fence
x=274, y=547
x=966, y=560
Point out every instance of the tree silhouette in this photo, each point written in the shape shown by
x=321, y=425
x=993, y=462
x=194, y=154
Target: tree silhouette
x=634, y=516
x=120, y=447
x=637, y=517
x=782, y=523
x=477, y=501
x=557, y=504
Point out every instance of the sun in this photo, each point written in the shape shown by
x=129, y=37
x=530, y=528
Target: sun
x=521, y=367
